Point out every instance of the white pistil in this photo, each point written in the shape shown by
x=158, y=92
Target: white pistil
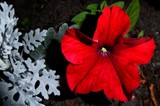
x=104, y=50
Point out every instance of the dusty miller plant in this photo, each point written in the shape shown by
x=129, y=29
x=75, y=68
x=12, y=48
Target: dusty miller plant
x=22, y=80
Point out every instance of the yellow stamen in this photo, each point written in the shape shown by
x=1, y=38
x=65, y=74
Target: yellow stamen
x=103, y=49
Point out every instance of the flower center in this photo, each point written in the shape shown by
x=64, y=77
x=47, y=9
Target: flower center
x=104, y=50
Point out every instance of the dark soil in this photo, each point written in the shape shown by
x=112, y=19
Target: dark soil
x=43, y=14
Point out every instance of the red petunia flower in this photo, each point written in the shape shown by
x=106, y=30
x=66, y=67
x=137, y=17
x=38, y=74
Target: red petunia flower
x=108, y=61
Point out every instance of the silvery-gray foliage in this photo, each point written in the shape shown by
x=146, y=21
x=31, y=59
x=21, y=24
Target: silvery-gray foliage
x=18, y=85
x=3, y=65
x=33, y=39
x=21, y=88
x=40, y=51
x=41, y=74
x=51, y=34
x=24, y=84
x=9, y=36
x=62, y=30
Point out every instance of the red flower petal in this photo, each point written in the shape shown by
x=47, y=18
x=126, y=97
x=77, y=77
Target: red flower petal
x=127, y=72
x=76, y=73
x=138, y=51
x=113, y=23
x=102, y=25
x=74, y=48
x=95, y=75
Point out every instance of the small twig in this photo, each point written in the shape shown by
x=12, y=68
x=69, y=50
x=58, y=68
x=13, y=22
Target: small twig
x=153, y=97
x=143, y=81
x=142, y=74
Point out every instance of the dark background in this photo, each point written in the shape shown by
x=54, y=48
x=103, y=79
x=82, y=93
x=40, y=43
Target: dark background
x=43, y=14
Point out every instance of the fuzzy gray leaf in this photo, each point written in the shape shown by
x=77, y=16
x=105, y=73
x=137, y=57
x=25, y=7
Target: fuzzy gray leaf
x=61, y=32
x=40, y=74
x=33, y=39
x=9, y=36
x=51, y=82
x=40, y=51
x=21, y=87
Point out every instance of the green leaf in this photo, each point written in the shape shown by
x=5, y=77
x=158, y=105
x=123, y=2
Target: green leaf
x=92, y=7
x=93, y=12
x=104, y=3
x=120, y=4
x=79, y=18
x=133, y=11
x=141, y=34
